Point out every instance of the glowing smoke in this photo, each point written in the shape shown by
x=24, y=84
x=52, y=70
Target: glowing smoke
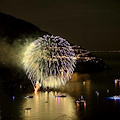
x=11, y=54
x=48, y=61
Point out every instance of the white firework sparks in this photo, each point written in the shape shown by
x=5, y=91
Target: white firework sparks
x=49, y=61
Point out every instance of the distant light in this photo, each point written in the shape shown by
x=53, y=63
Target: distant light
x=117, y=80
x=114, y=97
x=20, y=86
x=13, y=98
x=84, y=82
x=107, y=90
x=97, y=93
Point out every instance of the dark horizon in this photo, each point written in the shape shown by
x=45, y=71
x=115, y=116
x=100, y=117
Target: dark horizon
x=92, y=24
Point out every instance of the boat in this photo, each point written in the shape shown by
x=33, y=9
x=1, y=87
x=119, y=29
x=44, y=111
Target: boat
x=117, y=80
x=27, y=108
x=116, y=97
x=60, y=96
x=81, y=100
x=29, y=96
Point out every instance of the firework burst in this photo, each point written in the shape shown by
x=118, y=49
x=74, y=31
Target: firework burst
x=49, y=61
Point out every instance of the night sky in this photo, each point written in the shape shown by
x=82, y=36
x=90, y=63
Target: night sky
x=93, y=24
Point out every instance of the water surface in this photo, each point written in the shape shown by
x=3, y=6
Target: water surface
x=46, y=107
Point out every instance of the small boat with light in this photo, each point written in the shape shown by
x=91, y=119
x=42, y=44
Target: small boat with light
x=60, y=95
x=29, y=96
x=81, y=100
x=27, y=108
x=117, y=80
x=116, y=97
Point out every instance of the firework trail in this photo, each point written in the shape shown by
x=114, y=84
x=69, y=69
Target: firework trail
x=49, y=61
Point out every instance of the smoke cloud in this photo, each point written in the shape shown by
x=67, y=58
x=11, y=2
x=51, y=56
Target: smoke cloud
x=11, y=54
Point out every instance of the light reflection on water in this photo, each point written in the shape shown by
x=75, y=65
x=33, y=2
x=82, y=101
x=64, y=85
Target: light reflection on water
x=45, y=106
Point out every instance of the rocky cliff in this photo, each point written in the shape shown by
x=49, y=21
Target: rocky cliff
x=12, y=29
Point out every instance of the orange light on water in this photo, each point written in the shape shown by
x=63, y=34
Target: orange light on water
x=84, y=82
x=36, y=88
x=35, y=91
x=77, y=104
x=116, y=81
